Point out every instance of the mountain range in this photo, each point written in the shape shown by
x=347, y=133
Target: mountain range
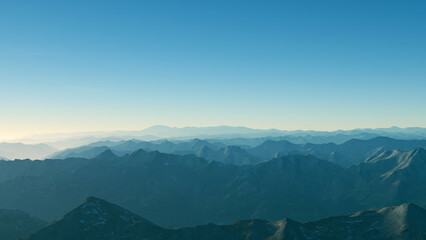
x=346, y=154
x=227, y=134
x=96, y=219
x=21, y=151
x=181, y=190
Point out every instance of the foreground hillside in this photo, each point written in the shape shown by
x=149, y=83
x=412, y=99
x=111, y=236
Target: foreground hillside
x=96, y=219
x=174, y=190
x=15, y=224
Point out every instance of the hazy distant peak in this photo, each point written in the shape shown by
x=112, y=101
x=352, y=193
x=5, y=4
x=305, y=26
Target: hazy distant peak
x=378, y=139
x=140, y=152
x=158, y=127
x=21, y=151
x=107, y=154
x=382, y=138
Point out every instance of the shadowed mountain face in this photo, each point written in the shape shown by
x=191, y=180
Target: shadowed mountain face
x=229, y=154
x=165, y=187
x=394, y=176
x=174, y=190
x=346, y=154
x=97, y=219
x=15, y=224
x=351, y=152
x=407, y=221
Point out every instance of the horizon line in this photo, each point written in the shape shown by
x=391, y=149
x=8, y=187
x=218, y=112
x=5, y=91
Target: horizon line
x=46, y=134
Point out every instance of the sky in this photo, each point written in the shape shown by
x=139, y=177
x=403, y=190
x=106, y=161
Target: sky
x=75, y=66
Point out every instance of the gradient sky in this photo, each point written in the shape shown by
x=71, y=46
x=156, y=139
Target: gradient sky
x=106, y=65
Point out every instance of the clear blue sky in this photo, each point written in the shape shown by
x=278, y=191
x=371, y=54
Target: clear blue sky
x=102, y=65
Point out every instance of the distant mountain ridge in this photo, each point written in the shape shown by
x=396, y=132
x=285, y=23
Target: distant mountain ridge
x=201, y=148
x=96, y=219
x=225, y=133
x=338, y=136
x=22, y=151
x=346, y=154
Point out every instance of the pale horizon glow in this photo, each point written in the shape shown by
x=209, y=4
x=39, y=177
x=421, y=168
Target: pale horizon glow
x=91, y=131
x=305, y=65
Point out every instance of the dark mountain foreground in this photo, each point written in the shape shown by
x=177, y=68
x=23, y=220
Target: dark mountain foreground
x=174, y=190
x=98, y=219
x=15, y=224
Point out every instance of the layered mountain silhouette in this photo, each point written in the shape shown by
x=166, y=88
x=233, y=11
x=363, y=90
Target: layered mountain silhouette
x=346, y=154
x=21, y=151
x=181, y=190
x=226, y=134
x=297, y=136
x=201, y=148
x=15, y=224
x=98, y=219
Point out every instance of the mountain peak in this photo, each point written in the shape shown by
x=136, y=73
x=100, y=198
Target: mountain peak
x=92, y=199
x=407, y=214
x=107, y=154
x=95, y=218
x=139, y=152
x=402, y=210
x=145, y=155
x=420, y=151
x=95, y=211
x=411, y=207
